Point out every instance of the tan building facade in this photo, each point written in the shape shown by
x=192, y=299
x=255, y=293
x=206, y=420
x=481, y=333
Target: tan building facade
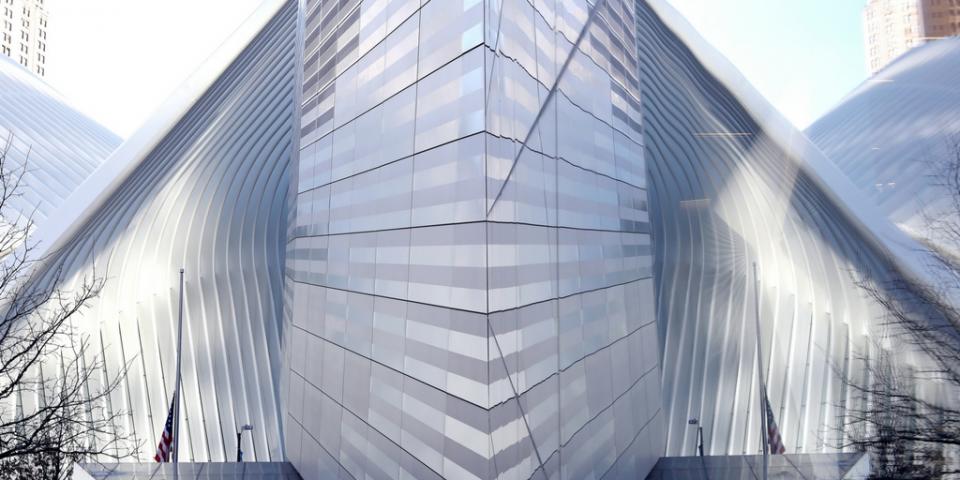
x=23, y=33
x=941, y=18
x=892, y=27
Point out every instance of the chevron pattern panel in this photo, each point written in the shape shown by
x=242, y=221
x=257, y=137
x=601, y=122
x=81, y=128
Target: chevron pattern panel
x=470, y=263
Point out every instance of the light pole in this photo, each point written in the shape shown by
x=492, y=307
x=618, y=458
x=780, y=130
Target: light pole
x=694, y=421
x=239, y=437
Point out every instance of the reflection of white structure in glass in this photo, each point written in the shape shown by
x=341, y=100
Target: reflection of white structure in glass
x=893, y=133
x=732, y=183
x=202, y=186
x=61, y=145
x=470, y=267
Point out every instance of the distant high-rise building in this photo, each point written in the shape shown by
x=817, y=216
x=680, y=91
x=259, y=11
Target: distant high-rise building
x=891, y=27
x=23, y=34
x=941, y=18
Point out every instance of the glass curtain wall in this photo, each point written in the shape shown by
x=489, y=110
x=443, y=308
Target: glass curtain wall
x=469, y=262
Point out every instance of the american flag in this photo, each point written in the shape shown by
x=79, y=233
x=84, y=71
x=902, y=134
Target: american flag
x=773, y=433
x=166, y=440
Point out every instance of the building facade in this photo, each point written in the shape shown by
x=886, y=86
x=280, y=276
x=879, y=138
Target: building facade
x=23, y=33
x=893, y=27
x=941, y=18
x=470, y=262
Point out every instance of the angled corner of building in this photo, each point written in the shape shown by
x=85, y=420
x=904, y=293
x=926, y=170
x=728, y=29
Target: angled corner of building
x=58, y=145
x=471, y=263
x=202, y=186
x=734, y=185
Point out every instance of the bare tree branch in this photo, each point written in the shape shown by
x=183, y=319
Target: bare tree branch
x=905, y=413
x=54, y=394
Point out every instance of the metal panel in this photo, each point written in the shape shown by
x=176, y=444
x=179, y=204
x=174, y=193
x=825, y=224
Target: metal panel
x=470, y=261
x=60, y=146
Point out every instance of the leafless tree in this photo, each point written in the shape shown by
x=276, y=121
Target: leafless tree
x=53, y=385
x=906, y=414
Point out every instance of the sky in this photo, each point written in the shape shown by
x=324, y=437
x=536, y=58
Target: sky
x=118, y=60
x=804, y=56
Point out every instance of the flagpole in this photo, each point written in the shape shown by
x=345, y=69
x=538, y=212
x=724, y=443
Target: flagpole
x=176, y=416
x=763, y=390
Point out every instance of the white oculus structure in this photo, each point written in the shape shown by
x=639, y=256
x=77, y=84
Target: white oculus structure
x=894, y=133
x=59, y=145
x=203, y=186
x=733, y=183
